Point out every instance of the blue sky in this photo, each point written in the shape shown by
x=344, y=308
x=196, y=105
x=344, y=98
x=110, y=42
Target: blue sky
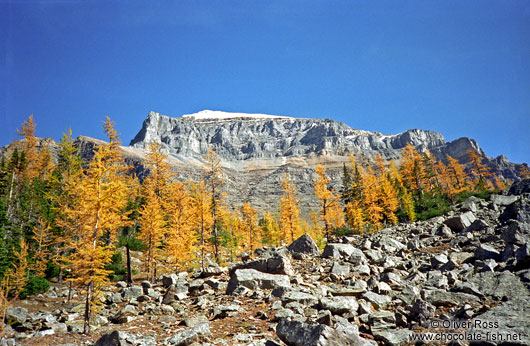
x=458, y=67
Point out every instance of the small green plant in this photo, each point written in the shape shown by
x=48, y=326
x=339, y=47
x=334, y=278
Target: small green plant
x=480, y=194
x=344, y=231
x=35, y=285
x=430, y=213
x=119, y=271
x=135, y=244
x=52, y=270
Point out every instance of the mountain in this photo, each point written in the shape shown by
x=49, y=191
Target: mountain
x=257, y=149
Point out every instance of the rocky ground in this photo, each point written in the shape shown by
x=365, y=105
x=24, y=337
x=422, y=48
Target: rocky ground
x=462, y=278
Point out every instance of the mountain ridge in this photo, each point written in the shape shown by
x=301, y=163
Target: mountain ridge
x=263, y=137
x=257, y=151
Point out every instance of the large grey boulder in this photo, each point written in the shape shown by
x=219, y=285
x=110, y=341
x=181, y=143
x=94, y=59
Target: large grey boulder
x=441, y=297
x=175, y=292
x=503, y=200
x=338, y=250
x=115, y=338
x=126, y=314
x=272, y=265
x=508, y=321
x=438, y=260
x=169, y=279
x=213, y=270
x=485, y=251
x=340, y=269
x=470, y=204
x=378, y=300
x=517, y=233
x=503, y=285
x=345, y=252
x=460, y=222
x=522, y=256
x=520, y=211
x=381, y=320
x=253, y=279
x=304, y=245
x=16, y=314
x=389, y=244
x=340, y=304
x=520, y=187
x=198, y=334
x=132, y=292
x=297, y=333
x=422, y=310
x=299, y=297
x=393, y=337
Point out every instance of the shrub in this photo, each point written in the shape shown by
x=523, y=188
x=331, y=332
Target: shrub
x=119, y=271
x=52, y=270
x=35, y=285
x=135, y=244
x=462, y=196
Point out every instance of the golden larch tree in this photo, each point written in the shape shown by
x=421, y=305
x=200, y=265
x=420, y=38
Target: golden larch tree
x=331, y=214
x=524, y=171
x=389, y=198
x=181, y=239
x=353, y=196
x=43, y=240
x=289, y=212
x=499, y=183
x=249, y=227
x=457, y=175
x=66, y=199
x=412, y=168
x=444, y=179
x=406, y=202
x=371, y=199
x=355, y=216
x=214, y=182
x=388, y=194
x=152, y=225
x=271, y=229
x=30, y=147
x=103, y=193
x=155, y=190
x=13, y=281
x=480, y=171
x=201, y=215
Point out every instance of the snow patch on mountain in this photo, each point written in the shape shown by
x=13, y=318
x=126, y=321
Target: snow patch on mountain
x=219, y=115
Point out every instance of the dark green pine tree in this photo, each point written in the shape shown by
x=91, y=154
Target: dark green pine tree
x=346, y=191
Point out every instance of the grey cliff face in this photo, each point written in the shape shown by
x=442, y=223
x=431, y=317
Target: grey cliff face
x=240, y=138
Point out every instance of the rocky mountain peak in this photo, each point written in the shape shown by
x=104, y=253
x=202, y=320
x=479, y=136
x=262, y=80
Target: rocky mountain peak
x=257, y=149
x=241, y=136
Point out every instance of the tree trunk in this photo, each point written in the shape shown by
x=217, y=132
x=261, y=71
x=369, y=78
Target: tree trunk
x=86, y=328
x=202, y=242
x=129, y=271
x=60, y=278
x=215, y=241
x=69, y=292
